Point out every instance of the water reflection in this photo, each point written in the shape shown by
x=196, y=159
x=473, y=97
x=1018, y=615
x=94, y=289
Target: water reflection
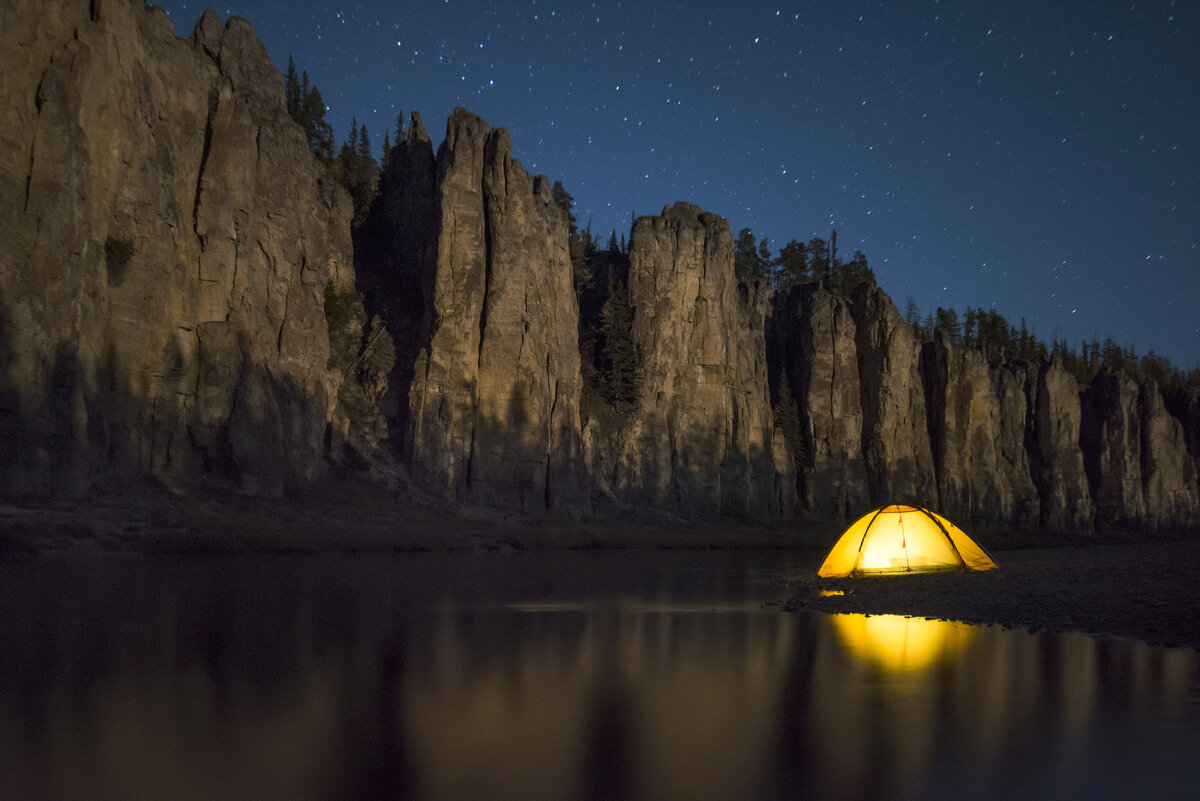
x=900, y=644
x=628, y=702
x=552, y=677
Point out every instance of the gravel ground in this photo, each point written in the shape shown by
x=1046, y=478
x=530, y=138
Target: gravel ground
x=1148, y=590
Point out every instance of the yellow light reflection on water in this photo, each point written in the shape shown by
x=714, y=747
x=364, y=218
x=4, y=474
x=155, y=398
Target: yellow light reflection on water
x=899, y=644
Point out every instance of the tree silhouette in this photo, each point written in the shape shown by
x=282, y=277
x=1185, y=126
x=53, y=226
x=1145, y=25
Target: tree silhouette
x=749, y=263
x=787, y=417
x=306, y=107
x=621, y=367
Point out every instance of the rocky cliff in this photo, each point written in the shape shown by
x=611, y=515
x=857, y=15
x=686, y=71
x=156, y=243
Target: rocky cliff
x=1168, y=471
x=1111, y=438
x=1135, y=453
x=180, y=299
x=977, y=417
x=895, y=436
x=489, y=324
x=701, y=436
x=812, y=347
x=990, y=443
x=167, y=243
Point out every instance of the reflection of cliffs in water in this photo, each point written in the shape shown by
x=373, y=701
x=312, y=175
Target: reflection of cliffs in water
x=675, y=704
x=553, y=677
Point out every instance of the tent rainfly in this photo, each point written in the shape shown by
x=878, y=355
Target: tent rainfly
x=903, y=539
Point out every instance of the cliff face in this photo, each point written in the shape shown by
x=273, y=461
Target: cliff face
x=1168, y=471
x=1066, y=502
x=1111, y=438
x=899, y=461
x=990, y=444
x=977, y=423
x=1136, y=456
x=167, y=241
x=813, y=342
x=178, y=300
x=701, y=438
x=492, y=414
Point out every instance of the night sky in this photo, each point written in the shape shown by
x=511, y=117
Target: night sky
x=1041, y=158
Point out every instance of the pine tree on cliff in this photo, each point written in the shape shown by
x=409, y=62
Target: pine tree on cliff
x=748, y=261
x=819, y=261
x=358, y=169
x=291, y=91
x=946, y=321
x=306, y=107
x=622, y=369
x=791, y=265
x=787, y=417
x=564, y=201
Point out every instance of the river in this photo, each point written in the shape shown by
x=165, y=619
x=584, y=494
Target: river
x=553, y=675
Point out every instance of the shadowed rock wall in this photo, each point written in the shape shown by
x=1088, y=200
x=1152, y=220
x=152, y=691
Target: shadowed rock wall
x=701, y=436
x=170, y=249
x=991, y=444
x=487, y=326
x=812, y=341
x=167, y=239
x=895, y=436
x=978, y=416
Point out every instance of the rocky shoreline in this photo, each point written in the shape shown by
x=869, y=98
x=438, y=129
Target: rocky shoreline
x=1141, y=589
x=1123, y=586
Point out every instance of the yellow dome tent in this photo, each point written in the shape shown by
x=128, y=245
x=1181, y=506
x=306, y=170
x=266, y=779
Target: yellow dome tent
x=903, y=539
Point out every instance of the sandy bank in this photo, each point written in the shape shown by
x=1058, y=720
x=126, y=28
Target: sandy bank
x=1149, y=590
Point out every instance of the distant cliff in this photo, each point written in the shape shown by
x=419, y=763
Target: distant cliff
x=992, y=444
x=182, y=297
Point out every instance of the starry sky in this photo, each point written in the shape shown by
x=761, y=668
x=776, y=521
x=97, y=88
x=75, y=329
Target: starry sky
x=1039, y=158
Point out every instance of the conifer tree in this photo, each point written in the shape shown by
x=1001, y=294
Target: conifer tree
x=306, y=107
x=787, y=417
x=291, y=91
x=622, y=369
x=564, y=201
x=818, y=259
x=358, y=168
x=791, y=265
x=748, y=261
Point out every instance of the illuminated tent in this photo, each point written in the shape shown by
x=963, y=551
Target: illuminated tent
x=903, y=539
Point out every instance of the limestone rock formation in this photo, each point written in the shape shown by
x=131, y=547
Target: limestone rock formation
x=813, y=336
x=396, y=261
x=977, y=422
x=1015, y=384
x=899, y=462
x=167, y=242
x=1066, y=501
x=1168, y=472
x=700, y=439
x=492, y=415
x=1184, y=405
x=1111, y=439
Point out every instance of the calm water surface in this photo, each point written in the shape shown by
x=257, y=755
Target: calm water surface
x=553, y=676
